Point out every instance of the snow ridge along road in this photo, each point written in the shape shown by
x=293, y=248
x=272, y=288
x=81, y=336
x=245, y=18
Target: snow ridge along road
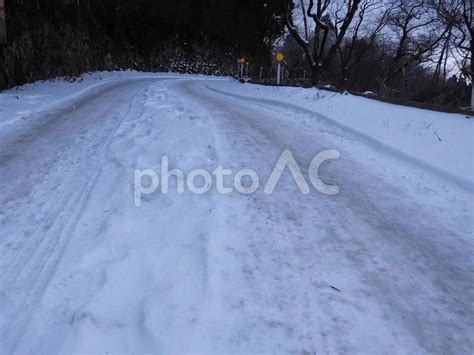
x=385, y=266
x=464, y=181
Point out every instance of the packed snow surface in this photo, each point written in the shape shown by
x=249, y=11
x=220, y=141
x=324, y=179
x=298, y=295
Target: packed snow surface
x=385, y=266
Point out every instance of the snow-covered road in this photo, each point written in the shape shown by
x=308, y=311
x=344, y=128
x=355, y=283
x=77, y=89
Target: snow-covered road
x=385, y=266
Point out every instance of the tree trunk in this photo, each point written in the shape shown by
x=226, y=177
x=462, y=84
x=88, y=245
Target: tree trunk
x=315, y=75
x=472, y=95
x=383, y=87
x=3, y=23
x=472, y=71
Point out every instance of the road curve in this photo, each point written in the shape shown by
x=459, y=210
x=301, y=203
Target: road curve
x=384, y=266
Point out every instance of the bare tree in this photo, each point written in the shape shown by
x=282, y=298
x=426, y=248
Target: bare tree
x=463, y=23
x=418, y=37
x=320, y=52
x=454, y=21
x=358, y=45
x=397, y=47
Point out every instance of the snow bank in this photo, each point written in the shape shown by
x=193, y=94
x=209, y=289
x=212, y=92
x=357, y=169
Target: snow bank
x=21, y=102
x=441, y=141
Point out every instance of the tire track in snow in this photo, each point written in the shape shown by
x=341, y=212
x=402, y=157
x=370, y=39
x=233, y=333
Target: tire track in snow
x=375, y=229
x=36, y=264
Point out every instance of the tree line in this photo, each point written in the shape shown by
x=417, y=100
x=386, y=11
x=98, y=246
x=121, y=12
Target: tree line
x=417, y=49
x=48, y=38
x=412, y=49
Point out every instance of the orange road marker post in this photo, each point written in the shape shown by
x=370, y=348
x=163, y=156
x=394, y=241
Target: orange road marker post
x=279, y=58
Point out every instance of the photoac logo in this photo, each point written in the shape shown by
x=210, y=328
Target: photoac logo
x=245, y=181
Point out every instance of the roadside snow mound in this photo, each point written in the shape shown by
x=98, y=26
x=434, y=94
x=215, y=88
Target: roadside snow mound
x=439, y=141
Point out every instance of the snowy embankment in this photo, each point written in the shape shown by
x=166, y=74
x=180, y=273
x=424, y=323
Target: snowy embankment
x=438, y=141
x=26, y=100
x=22, y=103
